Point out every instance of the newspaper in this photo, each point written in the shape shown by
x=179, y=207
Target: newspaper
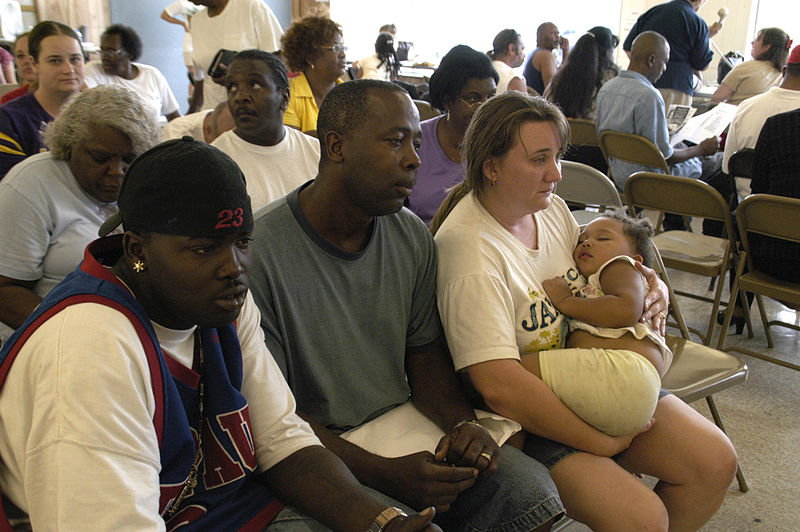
x=677, y=116
x=404, y=430
x=709, y=124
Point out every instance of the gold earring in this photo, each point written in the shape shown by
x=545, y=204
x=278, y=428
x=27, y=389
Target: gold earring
x=138, y=266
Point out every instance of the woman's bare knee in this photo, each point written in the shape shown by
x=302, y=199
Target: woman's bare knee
x=598, y=492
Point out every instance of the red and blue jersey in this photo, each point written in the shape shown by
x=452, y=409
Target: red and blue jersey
x=228, y=496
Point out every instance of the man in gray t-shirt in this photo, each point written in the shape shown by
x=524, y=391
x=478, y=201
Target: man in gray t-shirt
x=345, y=281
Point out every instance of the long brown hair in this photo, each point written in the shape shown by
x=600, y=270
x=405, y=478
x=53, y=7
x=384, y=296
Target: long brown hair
x=491, y=133
x=779, y=44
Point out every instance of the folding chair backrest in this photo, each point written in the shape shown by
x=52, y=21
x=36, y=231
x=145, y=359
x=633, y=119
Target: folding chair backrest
x=769, y=215
x=632, y=148
x=582, y=132
x=583, y=184
x=426, y=110
x=741, y=163
x=680, y=195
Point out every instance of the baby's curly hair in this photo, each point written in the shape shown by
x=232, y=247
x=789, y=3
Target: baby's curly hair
x=638, y=230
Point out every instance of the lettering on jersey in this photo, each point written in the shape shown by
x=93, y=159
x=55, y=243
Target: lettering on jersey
x=571, y=276
x=187, y=515
x=219, y=466
x=542, y=313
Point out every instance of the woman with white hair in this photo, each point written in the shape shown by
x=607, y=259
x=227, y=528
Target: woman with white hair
x=54, y=202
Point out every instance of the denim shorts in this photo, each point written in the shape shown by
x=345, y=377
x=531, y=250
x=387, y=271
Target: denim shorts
x=550, y=452
x=520, y=496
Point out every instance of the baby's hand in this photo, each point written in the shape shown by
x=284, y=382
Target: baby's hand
x=557, y=290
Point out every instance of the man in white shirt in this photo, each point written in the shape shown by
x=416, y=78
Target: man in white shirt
x=753, y=112
x=231, y=25
x=274, y=159
x=507, y=54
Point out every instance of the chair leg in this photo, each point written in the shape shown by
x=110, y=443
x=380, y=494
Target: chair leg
x=735, y=291
x=743, y=487
x=711, y=284
x=764, y=320
x=716, y=305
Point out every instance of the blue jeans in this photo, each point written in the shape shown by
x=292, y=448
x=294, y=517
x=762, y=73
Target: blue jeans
x=549, y=452
x=520, y=496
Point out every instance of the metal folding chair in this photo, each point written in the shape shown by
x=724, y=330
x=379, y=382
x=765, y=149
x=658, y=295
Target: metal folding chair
x=774, y=217
x=582, y=132
x=588, y=188
x=695, y=253
x=426, y=110
x=698, y=371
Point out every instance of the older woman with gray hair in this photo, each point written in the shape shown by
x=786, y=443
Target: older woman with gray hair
x=54, y=202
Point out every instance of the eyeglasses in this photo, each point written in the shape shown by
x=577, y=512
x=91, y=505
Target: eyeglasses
x=112, y=53
x=337, y=48
x=473, y=101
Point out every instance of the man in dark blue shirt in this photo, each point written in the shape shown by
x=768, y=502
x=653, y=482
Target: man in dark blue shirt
x=687, y=35
x=542, y=64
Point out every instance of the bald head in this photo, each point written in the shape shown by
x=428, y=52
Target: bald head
x=547, y=36
x=217, y=122
x=646, y=43
x=649, y=55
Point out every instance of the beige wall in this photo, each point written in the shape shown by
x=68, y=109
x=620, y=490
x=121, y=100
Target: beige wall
x=735, y=35
x=93, y=14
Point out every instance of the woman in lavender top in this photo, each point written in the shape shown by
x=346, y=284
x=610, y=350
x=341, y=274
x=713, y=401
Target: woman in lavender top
x=464, y=80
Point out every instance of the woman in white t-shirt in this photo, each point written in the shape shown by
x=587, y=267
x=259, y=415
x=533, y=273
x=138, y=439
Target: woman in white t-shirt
x=501, y=233
x=54, y=202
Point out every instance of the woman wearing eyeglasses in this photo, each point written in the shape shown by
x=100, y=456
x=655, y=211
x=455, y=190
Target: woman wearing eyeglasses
x=120, y=46
x=464, y=80
x=314, y=47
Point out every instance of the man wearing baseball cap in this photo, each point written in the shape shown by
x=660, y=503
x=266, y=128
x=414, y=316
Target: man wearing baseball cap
x=140, y=394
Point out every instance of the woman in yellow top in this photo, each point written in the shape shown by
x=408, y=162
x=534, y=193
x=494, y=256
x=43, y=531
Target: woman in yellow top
x=314, y=47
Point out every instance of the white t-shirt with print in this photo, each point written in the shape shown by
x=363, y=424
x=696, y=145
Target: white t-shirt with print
x=489, y=288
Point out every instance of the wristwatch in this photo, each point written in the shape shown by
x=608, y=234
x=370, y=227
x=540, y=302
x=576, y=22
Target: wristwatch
x=384, y=517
